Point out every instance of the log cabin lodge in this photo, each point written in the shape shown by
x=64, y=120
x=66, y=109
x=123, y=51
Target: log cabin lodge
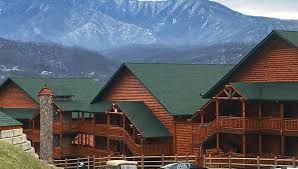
x=249, y=108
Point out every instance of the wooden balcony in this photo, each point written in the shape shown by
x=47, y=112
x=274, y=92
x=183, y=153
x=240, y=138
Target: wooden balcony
x=265, y=123
x=62, y=152
x=91, y=128
x=66, y=127
x=32, y=135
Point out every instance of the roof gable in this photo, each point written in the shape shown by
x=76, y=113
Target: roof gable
x=178, y=87
x=290, y=37
x=82, y=89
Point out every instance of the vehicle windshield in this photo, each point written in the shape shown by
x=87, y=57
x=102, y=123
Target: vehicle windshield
x=125, y=166
x=128, y=166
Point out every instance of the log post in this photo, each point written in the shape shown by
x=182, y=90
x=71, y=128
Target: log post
x=260, y=144
x=244, y=145
x=217, y=113
x=230, y=166
x=243, y=114
x=258, y=162
x=282, y=137
x=217, y=142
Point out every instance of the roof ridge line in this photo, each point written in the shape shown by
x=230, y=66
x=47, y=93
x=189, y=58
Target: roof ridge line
x=178, y=63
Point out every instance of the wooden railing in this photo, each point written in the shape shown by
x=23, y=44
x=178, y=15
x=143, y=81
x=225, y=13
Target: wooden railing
x=270, y=123
x=252, y=123
x=136, y=148
x=66, y=126
x=290, y=124
x=204, y=132
x=236, y=161
x=143, y=161
x=101, y=128
x=230, y=122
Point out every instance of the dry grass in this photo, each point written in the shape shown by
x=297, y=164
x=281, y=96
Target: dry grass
x=13, y=158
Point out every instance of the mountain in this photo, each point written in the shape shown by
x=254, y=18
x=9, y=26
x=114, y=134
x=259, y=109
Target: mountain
x=228, y=53
x=51, y=60
x=105, y=24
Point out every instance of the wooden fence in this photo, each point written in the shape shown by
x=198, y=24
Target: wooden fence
x=143, y=161
x=240, y=162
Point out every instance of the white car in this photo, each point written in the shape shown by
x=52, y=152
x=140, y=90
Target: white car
x=122, y=164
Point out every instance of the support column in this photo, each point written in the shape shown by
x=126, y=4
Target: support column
x=282, y=137
x=244, y=145
x=243, y=114
x=60, y=121
x=217, y=142
x=217, y=113
x=282, y=145
x=46, y=123
x=123, y=121
x=260, y=114
x=202, y=117
x=260, y=145
x=108, y=145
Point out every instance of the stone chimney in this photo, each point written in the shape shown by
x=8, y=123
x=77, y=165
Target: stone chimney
x=46, y=123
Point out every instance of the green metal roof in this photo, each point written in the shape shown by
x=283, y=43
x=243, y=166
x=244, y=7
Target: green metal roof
x=143, y=119
x=83, y=90
x=178, y=87
x=271, y=91
x=76, y=106
x=18, y=113
x=289, y=36
x=6, y=120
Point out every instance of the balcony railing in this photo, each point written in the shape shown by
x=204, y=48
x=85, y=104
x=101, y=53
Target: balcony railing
x=270, y=123
x=290, y=124
x=66, y=126
x=266, y=123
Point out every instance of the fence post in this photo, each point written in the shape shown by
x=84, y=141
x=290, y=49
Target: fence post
x=94, y=164
x=204, y=161
x=230, y=166
x=65, y=163
x=294, y=162
x=275, y=161
x=176, y=158
x=88, y=162
x=142, y=161
x=209, y=159
x=78, y=162
x=258, y=162
x=162, y=160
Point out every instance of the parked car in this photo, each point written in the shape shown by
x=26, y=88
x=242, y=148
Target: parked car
x=121, y=164
x=182, y=165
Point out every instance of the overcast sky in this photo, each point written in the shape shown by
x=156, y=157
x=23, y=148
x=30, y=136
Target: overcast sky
x=284, y=9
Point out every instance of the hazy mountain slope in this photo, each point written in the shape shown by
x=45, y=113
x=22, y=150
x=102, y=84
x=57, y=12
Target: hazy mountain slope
x=45, y=59
x=225, y=53
x=99, y=24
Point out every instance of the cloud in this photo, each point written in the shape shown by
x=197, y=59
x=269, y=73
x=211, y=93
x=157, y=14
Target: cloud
x=285, y=9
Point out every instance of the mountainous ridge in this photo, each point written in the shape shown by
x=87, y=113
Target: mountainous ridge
x=52, y=60
x=106, y=24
